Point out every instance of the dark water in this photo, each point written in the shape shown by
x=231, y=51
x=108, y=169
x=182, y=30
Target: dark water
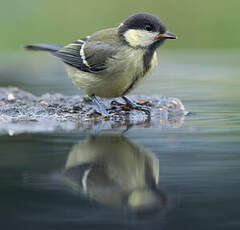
x=185, y=177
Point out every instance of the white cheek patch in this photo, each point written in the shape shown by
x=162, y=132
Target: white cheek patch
x=139, y=38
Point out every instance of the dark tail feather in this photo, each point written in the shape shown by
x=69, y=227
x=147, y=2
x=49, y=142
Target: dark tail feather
x=43, y=47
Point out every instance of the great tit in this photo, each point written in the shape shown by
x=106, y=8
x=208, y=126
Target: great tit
x=112, y=62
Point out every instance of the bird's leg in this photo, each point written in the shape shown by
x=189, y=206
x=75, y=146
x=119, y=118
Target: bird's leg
x=130, y=103
x=133, y=105
x=101, y=109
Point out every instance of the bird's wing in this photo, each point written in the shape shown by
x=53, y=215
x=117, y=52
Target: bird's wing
x=87, y=56
x=98, y=53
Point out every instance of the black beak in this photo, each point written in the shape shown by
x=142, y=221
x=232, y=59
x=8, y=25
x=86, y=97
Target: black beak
x=167, y=35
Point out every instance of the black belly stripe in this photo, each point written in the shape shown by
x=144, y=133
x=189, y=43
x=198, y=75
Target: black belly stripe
x=147, y=58
x=131, y=85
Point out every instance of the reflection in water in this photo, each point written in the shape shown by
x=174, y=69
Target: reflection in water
x=114, y=171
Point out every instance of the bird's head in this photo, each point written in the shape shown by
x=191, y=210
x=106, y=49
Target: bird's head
x=142, y=30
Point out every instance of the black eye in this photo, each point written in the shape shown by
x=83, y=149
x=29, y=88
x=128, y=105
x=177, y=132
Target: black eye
x=148, y=27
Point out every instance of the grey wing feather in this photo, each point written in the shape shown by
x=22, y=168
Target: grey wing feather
x=70, y=54
x=87, y=56
x=44, y=47
x=97, y=54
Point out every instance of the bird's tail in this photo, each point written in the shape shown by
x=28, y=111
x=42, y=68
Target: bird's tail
x=43, y=47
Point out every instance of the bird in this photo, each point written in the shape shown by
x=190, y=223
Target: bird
x=112, y=62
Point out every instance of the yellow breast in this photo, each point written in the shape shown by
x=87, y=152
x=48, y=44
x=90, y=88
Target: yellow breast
x=119, y=79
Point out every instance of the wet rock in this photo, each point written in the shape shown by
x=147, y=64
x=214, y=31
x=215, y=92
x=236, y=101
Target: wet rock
x=22, y=112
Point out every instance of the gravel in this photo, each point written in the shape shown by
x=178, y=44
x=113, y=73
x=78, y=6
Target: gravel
x=22, y=112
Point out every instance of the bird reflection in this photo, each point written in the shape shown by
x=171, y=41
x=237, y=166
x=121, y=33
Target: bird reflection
x=114, y=171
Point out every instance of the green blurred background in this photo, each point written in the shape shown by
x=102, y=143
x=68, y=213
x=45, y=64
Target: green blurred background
x=199, y=24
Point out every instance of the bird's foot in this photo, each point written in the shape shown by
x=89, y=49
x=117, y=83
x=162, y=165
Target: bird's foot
x=138, y=105
x=101, y=109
